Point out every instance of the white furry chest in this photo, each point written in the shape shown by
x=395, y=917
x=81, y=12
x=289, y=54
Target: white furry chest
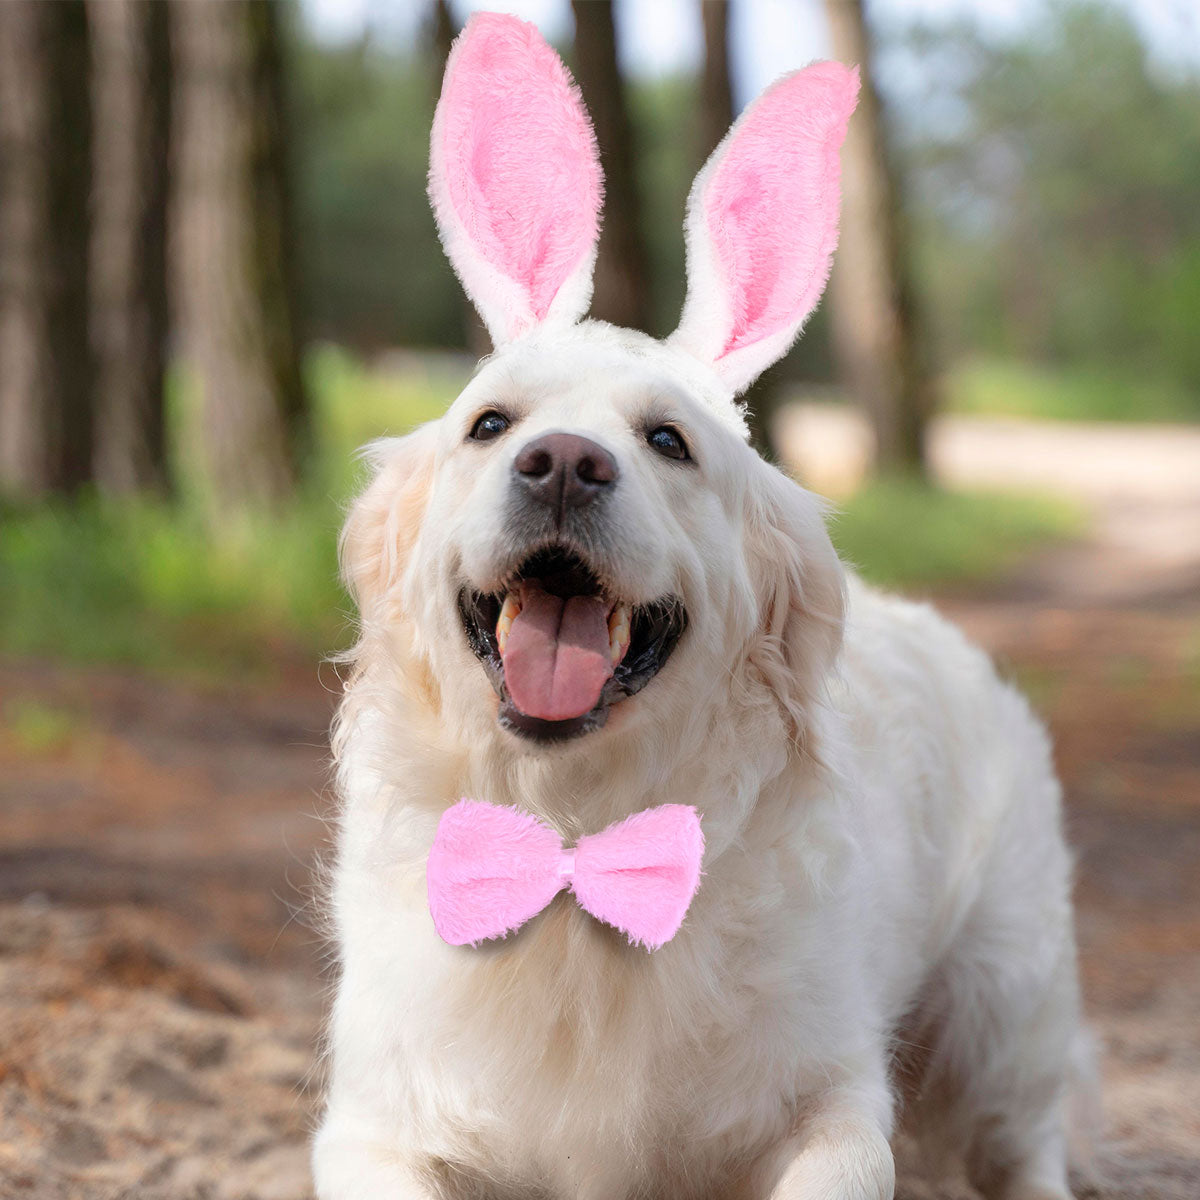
x=563, y=1049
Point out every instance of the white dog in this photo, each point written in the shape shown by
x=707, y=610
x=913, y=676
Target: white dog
x=884, y=924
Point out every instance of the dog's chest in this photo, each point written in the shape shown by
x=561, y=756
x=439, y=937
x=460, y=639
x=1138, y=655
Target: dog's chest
x=566, y=1052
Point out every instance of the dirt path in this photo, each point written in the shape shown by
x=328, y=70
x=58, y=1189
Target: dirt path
x=1140, y=483
x=161, y=981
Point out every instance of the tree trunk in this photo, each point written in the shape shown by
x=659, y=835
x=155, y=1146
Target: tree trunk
x=873, y=315
x=621, y=294
x=716, y=91
x=129, y=253
x=45, y=189
x=236, y=293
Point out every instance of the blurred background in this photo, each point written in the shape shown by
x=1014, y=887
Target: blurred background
x=219, y=276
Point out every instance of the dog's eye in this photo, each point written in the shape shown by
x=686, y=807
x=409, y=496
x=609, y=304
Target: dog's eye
x=490, y=425
x=668, y=443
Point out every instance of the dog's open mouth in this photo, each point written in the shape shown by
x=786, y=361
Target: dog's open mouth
x=560, y=650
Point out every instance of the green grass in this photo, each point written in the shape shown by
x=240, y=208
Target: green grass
x=155, y=586
x=906, y=535
x=1007, y=388
x=162, y=586
x=353, y=405
x=40, y=728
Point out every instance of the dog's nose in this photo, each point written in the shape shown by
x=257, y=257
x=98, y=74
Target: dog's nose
x=564, y=470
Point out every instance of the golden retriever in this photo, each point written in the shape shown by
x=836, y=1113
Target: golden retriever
x=884, y=925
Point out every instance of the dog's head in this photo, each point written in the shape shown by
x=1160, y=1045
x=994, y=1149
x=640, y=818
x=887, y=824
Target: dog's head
x=587, y=520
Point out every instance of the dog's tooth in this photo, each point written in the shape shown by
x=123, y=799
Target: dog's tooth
x=618, y=632
x=508, y=613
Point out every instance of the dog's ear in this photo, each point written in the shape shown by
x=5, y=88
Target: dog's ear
x=514, y=178
x=800, y=592
x=762, y=224
x=384, y=521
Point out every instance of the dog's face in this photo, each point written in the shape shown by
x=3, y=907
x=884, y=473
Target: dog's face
x=587, y=527
x=584, y=524
x=585, y=541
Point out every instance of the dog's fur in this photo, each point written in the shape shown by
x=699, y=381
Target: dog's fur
x=884, y=926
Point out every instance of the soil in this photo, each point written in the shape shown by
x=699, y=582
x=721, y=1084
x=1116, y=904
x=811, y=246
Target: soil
x=163, y=973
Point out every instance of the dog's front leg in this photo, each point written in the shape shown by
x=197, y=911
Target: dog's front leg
x=839, y=1152
x=348, y=1164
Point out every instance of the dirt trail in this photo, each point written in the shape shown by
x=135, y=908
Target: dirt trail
x=161, y=982
x=160, y=979
x=1140, y=483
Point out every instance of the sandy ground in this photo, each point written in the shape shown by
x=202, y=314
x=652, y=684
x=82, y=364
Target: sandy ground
x=162, y=978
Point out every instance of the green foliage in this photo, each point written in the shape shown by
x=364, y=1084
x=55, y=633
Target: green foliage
x=668, y=159
x=1016, y=389
x=159, y=585
x=905, y=535
x=41, y=728
x=1054, y=178
x=353, y=405
x=154, y=586
x=374, y=273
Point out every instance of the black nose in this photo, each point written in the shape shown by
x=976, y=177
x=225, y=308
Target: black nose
x=563, y=470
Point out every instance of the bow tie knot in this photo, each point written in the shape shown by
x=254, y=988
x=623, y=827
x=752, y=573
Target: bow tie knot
x=492, y=868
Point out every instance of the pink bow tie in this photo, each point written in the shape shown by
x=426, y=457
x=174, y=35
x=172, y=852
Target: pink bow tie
x=492, y=868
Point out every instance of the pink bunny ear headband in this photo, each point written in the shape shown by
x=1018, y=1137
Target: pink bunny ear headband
x=516, y=187
x=492, y=868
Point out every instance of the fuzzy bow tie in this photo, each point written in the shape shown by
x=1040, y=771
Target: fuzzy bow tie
x=492, y=868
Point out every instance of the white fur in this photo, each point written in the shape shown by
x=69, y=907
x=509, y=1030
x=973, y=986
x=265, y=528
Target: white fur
x=886, y=884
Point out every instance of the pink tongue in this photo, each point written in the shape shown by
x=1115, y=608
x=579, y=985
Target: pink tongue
x=556, y=659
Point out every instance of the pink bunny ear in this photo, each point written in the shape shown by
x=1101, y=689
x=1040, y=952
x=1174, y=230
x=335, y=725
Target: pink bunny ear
x=514, y=178
x=762, y=224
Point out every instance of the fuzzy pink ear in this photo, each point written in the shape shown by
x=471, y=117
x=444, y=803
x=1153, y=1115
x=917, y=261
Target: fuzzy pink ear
x=762, y=224
x=514, y=178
